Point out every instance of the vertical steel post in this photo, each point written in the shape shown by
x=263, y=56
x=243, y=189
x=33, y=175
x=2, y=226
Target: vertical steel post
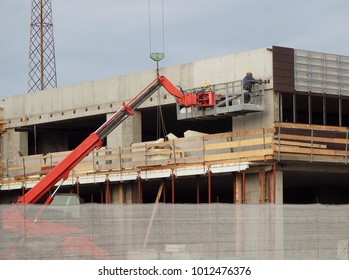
x=209, y=185
x=107, y=190
x=274, y=181
x=41, y=46
x=269, y=188
x=173, y=186
x=139, y=189
x=243, y=195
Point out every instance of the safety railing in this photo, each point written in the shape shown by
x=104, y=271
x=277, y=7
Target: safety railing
x=283, y=142
x=255, y=145
x=230, y=98
x=311, y=143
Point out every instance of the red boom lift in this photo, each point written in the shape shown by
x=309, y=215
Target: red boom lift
x=72, y=239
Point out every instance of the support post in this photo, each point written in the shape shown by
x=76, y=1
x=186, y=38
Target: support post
x=107, y=190
x=262, y=185
x=269, y=188
x=153, y=214
x=243, y=195
x=274, y=182
x=173, y=186
x=209, y=185
x=139, y=186
x=238, y=188
x=121, y=193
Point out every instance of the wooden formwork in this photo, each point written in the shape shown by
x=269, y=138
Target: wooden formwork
x=223, y=148
x=259, y=150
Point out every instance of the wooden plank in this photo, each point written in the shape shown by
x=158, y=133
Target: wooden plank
x=309, y=138
x=242, y=143
x=309, y=151
x=235, y=134
x=316, y=158
x=145, y=242
x=310, y=127
x=239, y=155
x=301, y=144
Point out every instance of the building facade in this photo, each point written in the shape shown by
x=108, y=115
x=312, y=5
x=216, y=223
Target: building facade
x=288, y=144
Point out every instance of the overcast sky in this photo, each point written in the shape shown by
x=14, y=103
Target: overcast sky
x=97, y=39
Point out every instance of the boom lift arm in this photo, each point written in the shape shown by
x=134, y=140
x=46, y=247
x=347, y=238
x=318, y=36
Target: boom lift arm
x=95, y=139
x=71, y=239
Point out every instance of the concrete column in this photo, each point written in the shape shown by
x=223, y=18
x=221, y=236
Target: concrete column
x=126, y=133
x=121, y=193
x=238, y=187
x=130, y=191
x=117, y=193
x=252, y=188
x=14, y=143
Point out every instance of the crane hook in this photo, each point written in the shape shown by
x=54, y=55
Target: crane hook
x=157, y=57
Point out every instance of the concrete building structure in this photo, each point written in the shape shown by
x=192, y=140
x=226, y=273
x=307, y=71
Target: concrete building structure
x=299, y=156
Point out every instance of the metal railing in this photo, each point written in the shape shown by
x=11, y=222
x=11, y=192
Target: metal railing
x=230, y=98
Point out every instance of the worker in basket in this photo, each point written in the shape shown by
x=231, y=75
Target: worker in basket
x=248, y=83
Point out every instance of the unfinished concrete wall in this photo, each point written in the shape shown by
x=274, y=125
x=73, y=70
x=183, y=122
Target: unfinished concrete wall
x=14, y=144
x=102, y=96
x=128, y=132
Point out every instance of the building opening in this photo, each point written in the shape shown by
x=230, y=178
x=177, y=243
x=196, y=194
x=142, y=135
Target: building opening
x=60, y=136
x=315, y=187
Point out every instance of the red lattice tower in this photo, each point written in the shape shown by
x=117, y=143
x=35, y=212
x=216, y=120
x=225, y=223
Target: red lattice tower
x=42, y=62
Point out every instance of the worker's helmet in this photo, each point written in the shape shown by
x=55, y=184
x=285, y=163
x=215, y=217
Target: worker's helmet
x=248, y=73
x=207, y=85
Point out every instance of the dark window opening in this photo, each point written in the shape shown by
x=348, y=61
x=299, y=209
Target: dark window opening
x=191, y=189
x=345, y=112
x=309, y=188
x=332, y=111
x=315, y=109
x=287, y=108
x=302, y=111
x=317, y=106
x=61, y=135
x=151, y=121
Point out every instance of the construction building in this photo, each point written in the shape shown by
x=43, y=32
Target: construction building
x=287, y=144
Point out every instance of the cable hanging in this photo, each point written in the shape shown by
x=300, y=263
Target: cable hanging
x=157, y=56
